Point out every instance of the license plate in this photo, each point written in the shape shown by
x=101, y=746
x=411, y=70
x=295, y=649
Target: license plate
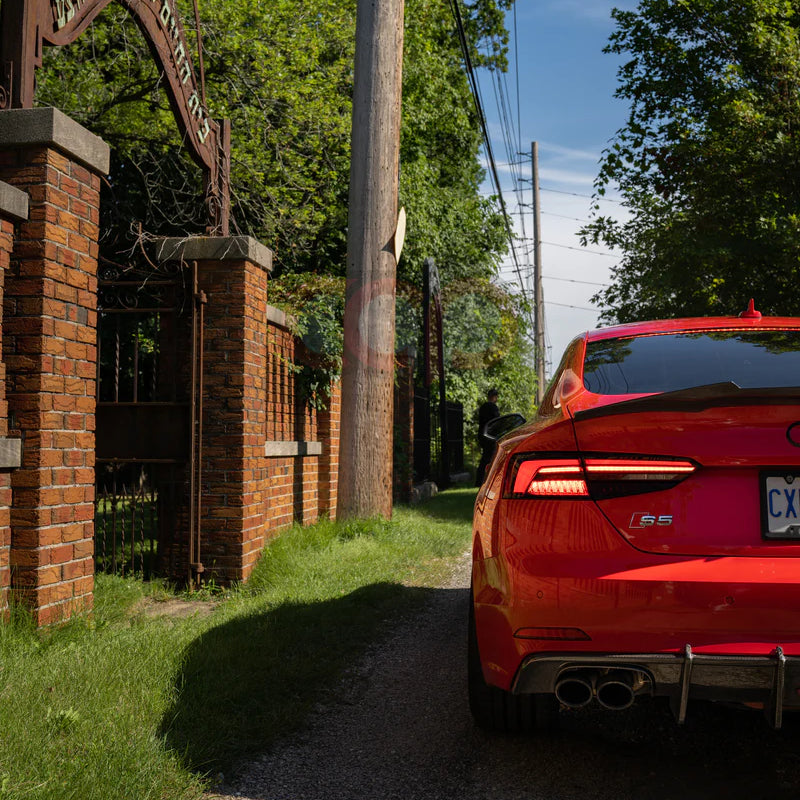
x=780, y=499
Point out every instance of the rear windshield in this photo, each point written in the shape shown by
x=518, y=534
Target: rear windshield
x=670, y=362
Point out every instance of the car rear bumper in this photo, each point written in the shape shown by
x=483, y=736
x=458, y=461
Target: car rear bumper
x=561, y=580
x=771, y=680
x=643, y=604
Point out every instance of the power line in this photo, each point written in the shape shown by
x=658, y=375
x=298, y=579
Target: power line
x=516, y=71
x=563, y=216
x=578, y=194
x=529, y=272
x=581, y=250
x=573, y=280
x=503, y=104
x=462, y=37
x=508, y=132
x=565, y=305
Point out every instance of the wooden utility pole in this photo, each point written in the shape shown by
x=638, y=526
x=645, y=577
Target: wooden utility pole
x=365, y=457
x=538, y=297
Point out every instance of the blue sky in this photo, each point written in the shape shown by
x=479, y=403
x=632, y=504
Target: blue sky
x=566, y=104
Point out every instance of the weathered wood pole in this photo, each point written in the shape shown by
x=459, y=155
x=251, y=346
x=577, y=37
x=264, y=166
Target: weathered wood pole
x=365, y=460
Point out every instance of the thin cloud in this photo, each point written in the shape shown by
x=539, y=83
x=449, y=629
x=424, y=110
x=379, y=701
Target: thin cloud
x=565, y=177
x=551, y=174
x=570, y=153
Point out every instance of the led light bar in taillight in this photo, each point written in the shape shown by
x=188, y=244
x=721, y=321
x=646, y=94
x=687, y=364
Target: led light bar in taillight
x=650, y=470
x=595, y=476
x=550, y=478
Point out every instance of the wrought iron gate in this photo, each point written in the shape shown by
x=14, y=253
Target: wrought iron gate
x=422, y=435
x=428, y=451
x=148, y=422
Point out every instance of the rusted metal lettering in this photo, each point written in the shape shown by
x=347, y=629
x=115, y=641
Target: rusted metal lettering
x=27, y=25
x=64, y=11
x=202, y=134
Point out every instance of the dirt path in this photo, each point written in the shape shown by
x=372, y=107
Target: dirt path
x=400, y=728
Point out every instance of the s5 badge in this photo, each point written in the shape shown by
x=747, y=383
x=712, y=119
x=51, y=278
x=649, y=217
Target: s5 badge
x=644, y=519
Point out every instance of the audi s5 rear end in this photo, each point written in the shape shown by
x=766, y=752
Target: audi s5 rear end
x=641, y=536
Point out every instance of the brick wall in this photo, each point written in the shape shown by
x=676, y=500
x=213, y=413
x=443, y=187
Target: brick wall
x=234, y=416
x=6, y=244
x=49, y=331
x=277, y=466
x=269, y=458
x=329, y=423
x=265, y=464
x=293, y=475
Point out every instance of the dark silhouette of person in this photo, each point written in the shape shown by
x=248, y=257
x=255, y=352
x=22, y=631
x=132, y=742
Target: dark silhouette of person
x=486, y=413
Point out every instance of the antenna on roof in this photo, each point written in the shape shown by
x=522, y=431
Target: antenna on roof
x=751, y=312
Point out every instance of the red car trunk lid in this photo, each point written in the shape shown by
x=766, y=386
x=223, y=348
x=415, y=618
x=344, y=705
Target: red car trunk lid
x=722, y=508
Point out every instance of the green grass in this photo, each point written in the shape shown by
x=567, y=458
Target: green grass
x=129, y=705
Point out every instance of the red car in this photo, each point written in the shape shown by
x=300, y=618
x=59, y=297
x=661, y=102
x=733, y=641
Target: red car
x=641, y=536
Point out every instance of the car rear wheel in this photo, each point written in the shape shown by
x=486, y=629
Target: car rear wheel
x=497, y=710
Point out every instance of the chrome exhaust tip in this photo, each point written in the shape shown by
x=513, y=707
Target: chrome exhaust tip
x=576, y=690
x=614, y=691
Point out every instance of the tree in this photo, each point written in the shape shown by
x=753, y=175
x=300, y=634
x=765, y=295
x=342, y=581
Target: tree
x=441, y=174
x=486, y=346
x=708, y=162
x=282, y=72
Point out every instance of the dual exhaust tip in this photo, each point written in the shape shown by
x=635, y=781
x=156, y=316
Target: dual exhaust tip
x=614, y=690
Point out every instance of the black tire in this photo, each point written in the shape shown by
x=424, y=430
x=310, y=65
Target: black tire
x=497, y=710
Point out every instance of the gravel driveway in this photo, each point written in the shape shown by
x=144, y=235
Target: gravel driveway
x=399, y=727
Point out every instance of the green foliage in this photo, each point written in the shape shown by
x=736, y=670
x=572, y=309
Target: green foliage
x=440, y=177
x=487, y=346
x=282, y=73
x=315, y=304
x=485, y=335
x=707, y=161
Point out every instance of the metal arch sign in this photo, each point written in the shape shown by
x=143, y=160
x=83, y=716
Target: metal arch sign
x=25, y=25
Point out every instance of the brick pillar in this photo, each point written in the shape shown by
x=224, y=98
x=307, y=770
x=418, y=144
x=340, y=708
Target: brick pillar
x=233, y=273
x=328, y=423
x=13, y=208
x=49, y=346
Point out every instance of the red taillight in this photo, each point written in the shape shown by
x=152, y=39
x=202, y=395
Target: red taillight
x=638, y=470
x=550, y=478
x=595, y=476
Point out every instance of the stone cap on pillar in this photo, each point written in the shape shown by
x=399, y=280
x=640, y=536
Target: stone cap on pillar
x=25, y=127
x=214, y=248
x=279, y=318
x=13, y=203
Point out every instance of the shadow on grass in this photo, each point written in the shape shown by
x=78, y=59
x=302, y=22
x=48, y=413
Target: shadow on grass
x=254, y=678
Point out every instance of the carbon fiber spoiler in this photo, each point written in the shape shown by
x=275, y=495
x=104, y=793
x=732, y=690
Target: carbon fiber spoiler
x=696, y=399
